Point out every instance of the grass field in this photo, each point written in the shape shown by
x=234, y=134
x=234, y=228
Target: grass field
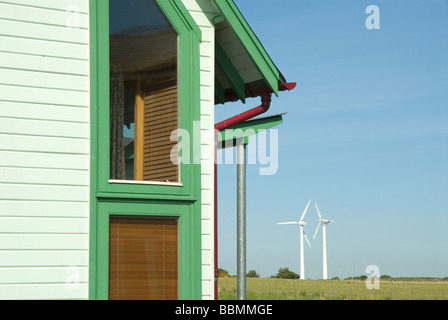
x=283, y=289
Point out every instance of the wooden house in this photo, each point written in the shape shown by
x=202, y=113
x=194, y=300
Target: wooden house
x=93, y=97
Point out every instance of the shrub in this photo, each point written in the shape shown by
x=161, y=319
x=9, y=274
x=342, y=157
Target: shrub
x=222, y=273
x=285, y=273
x=252, y=274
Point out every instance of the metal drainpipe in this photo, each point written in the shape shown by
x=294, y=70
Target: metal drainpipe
x=266, y=103
x=241, y=220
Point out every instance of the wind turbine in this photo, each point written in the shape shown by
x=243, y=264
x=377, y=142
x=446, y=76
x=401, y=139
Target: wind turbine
x=323, y=222
x=301, y=223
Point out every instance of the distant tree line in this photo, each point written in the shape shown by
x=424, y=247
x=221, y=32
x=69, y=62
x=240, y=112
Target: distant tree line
x=389, y=278
x=223, y=273
x=252, y=274
x=285, y=273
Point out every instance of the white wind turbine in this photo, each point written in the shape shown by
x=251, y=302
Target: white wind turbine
x=301, y=223
x=323, y=222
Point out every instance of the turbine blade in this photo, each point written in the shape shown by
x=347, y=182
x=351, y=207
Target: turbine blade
x=315, y=233
x=287, y=223
x=306, y=238
x=303, y=214
x=318, y=212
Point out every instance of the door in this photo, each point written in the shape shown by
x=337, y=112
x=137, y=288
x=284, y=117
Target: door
x=143, y=258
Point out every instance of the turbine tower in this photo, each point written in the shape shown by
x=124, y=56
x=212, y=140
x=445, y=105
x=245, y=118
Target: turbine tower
x=323, y=222
x=301, y=223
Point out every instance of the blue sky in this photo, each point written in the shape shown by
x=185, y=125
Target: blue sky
x=365, y=136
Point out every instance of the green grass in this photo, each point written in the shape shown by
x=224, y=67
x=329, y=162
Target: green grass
x=282, y=289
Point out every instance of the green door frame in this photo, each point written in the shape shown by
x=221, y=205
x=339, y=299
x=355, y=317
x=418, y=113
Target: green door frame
x=189, y=239
x=137, y=199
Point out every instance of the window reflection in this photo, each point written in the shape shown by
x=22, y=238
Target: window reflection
x=143, y=92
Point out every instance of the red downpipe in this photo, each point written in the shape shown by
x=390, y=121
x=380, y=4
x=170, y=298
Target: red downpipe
x=265, y=105
x=216, y=222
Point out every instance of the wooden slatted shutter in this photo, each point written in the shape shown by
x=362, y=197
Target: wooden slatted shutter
x=143, y=259
x=161, y=119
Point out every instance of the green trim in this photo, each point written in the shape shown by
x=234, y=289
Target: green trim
x=231, y=73
x=189, y=19
x=94, y=85
x=189, y=106
x=247, y=128
x=179, y=10
x=107, y=198
x=104, y=195
x=218, y=19
x=250, y=41
x=189, y=246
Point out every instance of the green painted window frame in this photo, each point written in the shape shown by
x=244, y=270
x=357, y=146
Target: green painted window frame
x=189, y=103
x=150, y=200
x=189, y=243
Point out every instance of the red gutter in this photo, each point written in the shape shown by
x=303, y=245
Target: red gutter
x=223, y=125
x=265, y=104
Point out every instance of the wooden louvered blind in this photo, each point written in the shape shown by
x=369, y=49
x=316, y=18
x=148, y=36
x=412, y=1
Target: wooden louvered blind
x=161, y=119
x=143, y=259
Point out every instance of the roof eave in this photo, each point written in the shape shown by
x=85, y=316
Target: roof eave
x=251, y=43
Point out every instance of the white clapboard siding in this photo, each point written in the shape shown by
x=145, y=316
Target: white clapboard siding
x=44, y=160
x=43, y=144
x=44, y=275
x=40, y=63
x=44, y=96
x=39, y=258
x=43, y=112
x=39, y=12
x=44, y=128
x=44, y=48
x=48, y=291
x=42, y=208
x=43, y=242
x=37, y=79
x=44, y=176
x=21, y=191
x=62, y=5
x=44, y=149
x=203, y=12
x=27, y=30
x=43, y=225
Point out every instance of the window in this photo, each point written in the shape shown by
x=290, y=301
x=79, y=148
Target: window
x=144, y=111
x=117, y=196
x=143, y=258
